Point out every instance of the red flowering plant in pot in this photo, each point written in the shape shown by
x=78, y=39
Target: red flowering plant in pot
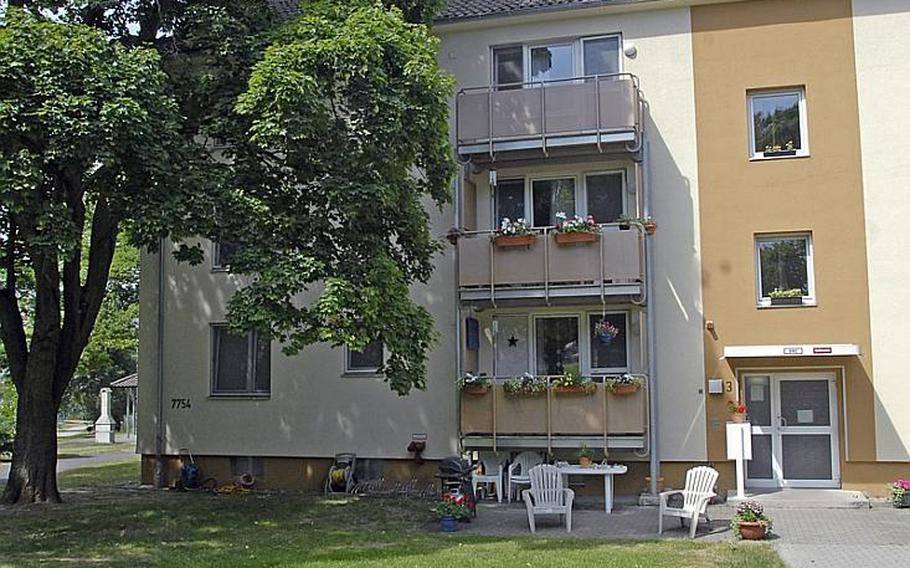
x=575, y=230
x=750, y=521
x=900, y=493
x=450, y=510
x=515, y=233
x=737, y=411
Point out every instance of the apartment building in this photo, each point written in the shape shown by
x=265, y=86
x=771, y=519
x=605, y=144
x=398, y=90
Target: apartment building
x=765, y=139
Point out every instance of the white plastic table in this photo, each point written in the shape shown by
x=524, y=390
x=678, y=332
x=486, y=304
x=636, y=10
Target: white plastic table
x=607, y=471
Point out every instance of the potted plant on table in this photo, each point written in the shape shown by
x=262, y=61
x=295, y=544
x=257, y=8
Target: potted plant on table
x=474, y=385
x=750, y=521
x=737, y=411
x=525, y=385
x=514, y=234
x=624, y=385
x=900, y=493
x=789, y=297
x=450, y=510
x=575, y=230
x=605, y=331
x=585, y=456
x=572, y=382
x=647, y=223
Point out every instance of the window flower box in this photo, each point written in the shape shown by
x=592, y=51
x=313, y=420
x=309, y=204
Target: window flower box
x=475, y=390
x=790, y=297
x=575, y=238
x=510, y=241
x=625, y=385
x=586, y=390
x=787, y=301
x=575, y=230
x=778, y=153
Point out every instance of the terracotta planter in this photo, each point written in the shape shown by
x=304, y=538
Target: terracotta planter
x=585, y=462
x=752, y=531
x=574, y=390
x=575, y=238
x=650, y=228
x=624, y=389
x=475, y=390
x=508, y=241
x=738, y=418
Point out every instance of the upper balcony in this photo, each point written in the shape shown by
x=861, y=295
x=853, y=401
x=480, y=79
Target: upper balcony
x=541, y=268
x=579, y=115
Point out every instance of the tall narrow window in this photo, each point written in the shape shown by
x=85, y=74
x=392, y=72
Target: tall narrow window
x=778, y=123
x=510, y=200
x=552, y=196
x=608, y=342
x=784, y=269
x=367, y=361
x=601, y=55
x=605, y=196
x=556, y=341
x=552, y=62
x=240, y=362
x=223, y=254
x=508, y=66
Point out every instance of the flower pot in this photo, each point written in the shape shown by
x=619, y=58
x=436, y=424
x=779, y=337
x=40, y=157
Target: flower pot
x=509, y=241
x=650, y=228
x=738, y=418
x=901, y=503
x=787, y=301
x=585, y=461
x=448, y=524
x=574, y=390
x=779, y=153
x=475, y=390
x=624, y=389
x=575, y=238
x=605, y=338
x=752, y=531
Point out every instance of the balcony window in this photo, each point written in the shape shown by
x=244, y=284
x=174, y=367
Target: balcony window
x=508, y=65
x=601, y=55
x=785, y=270
x=605, y=198
x=608, y=353
x=510, y=200
x=552, y=62
x=556, y=342
x=551, y=196
x=368, y=361
x=778, y=124
x=222, y=254
x=240, y=363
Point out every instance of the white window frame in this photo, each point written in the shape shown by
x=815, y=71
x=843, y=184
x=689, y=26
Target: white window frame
x=251, y=345
x=524, y=63
x=577, y=54
x=217, y=266
x=765, y=301
x=579, y=330
x=494, y=217
x=529, y=194
x=581, y=51
x=583, y=208
x=803, y=150
x=349, y=370
x=590, y=356
x=573, y=44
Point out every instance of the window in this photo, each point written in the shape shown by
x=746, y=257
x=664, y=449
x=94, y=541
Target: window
x=605, y=196
x=241, y=465
x=222, y=254
x=601, y=55
x=608, y=353
x=367, y=361
x=552, y=62
x=510, y=200
x=778, y=124
x=784, y=264
x=552, y=196
x=241, y=364
x=508, y=65
x=556, y=344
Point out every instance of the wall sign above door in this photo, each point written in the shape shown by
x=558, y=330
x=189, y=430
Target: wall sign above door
x=805, y=350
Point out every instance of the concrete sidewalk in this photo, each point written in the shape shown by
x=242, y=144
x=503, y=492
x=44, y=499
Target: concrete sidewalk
x=75, y=463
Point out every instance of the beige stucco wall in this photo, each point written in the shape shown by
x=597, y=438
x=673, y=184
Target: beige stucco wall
x=881, y=47
x=664, y=66
x=313, y=410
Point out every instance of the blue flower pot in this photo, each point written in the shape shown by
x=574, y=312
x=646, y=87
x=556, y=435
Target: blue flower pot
x=449, y=524
x=606, y=339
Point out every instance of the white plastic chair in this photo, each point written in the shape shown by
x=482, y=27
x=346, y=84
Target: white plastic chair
x=517, y=473
x=698, y=492
x=492, y=473
x=547, y=496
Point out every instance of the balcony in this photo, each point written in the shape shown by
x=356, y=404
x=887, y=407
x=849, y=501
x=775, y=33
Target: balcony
x=611, y=265
x=554, y=420
x=581, y=113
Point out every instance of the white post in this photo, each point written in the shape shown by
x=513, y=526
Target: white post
x=739, y=448
x=104, y=426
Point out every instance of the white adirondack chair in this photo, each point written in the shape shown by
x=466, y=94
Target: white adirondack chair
x=517, y=473
x=698, y=492
x=547, y=496
x=492, y=473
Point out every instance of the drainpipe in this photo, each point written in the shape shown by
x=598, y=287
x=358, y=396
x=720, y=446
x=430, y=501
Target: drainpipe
x=649, y=287
x=159, y=416
x=459, y=366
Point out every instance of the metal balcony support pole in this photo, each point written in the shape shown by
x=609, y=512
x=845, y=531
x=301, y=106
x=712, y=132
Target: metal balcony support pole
x=490, y=120
x=493, y=269
x=543, y=118
x=459, y=352
x=653, y=430
x=597, y=106
x=606, y=413
x=495, y=347
x=603, y=276
x=549, y=419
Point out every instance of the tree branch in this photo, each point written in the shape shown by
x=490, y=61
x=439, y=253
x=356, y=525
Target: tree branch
x=12, y=326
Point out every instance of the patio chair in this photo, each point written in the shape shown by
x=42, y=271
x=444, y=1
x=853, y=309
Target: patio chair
x=517, y=474
x=547, y=496
x=492, y=473
x=698, y=492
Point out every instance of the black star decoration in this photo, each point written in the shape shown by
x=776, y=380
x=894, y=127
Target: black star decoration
x=513, y=341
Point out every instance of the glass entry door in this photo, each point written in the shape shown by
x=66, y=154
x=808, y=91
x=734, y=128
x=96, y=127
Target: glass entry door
x=794, y=431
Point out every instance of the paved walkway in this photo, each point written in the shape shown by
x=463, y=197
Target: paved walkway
x=75, y=463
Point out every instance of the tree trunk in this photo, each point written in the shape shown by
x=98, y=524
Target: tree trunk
x=33, y=474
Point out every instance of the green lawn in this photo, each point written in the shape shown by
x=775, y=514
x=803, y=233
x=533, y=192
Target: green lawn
x=113, y=522
x=83, y=444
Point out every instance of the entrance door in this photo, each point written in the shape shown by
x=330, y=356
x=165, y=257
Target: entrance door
x=794, y=431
